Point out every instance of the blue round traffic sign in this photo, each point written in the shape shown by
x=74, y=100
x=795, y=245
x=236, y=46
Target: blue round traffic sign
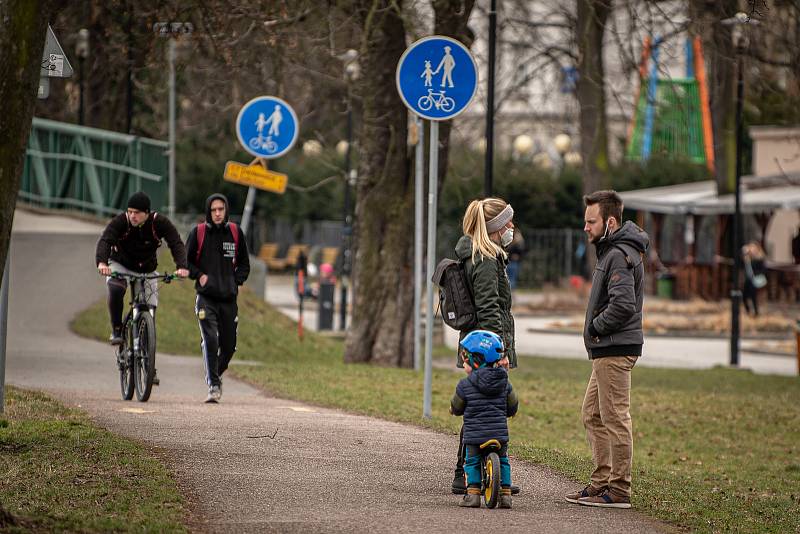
x=267, y=127
x=437, y=77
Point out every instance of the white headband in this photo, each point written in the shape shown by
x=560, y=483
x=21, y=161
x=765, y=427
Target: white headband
x=500, y=220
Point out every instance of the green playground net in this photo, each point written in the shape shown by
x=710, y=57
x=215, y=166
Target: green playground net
x=677, y=130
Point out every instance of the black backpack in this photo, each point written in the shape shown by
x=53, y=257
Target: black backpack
x=455, y=297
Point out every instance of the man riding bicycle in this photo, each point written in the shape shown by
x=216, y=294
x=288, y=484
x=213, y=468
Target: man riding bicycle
x=128, y=245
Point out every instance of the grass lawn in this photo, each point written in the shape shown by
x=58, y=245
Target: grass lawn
x=58, y=472
x=715, y=450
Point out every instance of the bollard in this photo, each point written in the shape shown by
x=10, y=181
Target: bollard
x=325, y=298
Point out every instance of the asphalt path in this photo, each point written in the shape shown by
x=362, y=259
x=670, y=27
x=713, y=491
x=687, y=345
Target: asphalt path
x=255, y=463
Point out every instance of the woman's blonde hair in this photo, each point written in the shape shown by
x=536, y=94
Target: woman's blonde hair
x=474, y=225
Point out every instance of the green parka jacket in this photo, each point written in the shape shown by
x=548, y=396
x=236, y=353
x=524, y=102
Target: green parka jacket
x=492, y=295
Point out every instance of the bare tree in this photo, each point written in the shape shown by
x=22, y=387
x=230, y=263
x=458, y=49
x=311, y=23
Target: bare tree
x=23, y=24
x=380, y=327
x=591, y=19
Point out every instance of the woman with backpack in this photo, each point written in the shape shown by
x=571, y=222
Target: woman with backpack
x=488, y=229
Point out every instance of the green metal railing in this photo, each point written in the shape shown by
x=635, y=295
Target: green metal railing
x=87, y=169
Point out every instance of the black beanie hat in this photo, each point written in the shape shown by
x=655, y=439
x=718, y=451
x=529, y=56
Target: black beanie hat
x=139, y=201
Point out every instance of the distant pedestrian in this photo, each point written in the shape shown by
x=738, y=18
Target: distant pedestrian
x=613, y=337
x=488, y=228
x=219, y=262
x=516, y=250
x=755, y=276
x=796, y=247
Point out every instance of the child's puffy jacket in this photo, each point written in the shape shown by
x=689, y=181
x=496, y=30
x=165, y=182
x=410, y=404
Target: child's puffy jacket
x=486, y=399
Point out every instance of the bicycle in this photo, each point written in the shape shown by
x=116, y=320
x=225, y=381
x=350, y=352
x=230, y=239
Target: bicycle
x=490, y=472
x=445, y=103
x=264, y=143
x=136, y=355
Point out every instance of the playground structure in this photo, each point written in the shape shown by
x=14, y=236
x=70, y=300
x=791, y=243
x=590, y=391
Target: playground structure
x=672, y=116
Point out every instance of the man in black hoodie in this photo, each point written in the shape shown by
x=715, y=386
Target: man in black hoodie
x=128, y=246
x=219, y=262
x=613, y=338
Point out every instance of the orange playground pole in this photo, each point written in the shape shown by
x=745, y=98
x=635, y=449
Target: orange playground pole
x=702, y=82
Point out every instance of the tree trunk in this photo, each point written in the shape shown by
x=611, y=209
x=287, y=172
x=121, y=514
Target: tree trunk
x=720, y=72
x=591, y=22
x=380, y=329
x=23, y=24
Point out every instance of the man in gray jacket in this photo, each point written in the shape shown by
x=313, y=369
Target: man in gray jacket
x=613, y=337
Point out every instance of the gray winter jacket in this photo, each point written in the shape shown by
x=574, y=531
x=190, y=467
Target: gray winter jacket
x=613, y=325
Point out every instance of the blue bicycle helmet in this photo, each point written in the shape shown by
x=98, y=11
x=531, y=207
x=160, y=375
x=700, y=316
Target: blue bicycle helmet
x=481, y=348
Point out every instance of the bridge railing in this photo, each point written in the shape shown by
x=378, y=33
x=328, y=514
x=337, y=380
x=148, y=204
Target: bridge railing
x=92, y=170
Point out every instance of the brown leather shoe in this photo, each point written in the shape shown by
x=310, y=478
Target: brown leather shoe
x=607, y=499
x=588, y=491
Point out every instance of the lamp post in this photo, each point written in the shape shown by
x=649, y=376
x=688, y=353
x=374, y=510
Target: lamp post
x=82, y=51
x=352, y=71
x=740, y=41
x=488, y=176
x=172, y=30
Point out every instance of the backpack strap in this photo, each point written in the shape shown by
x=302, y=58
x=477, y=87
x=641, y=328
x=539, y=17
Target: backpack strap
x=153, y=227
x=201, y=236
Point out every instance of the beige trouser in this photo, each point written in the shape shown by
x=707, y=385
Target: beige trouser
x=607, y=420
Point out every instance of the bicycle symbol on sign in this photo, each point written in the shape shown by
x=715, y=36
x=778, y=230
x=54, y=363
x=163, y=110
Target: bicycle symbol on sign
x=263, y=143
x=438, y=100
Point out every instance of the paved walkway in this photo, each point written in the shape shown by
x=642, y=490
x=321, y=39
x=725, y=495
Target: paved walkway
x=253, y=462
x=659, y=351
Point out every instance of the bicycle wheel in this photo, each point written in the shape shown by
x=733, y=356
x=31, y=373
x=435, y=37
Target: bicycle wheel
x=491, y=491
x=125, y=364
x=144, y=360
x=425, y=103
x=448, y=104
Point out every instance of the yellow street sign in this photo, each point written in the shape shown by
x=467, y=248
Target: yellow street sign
x=256, y=176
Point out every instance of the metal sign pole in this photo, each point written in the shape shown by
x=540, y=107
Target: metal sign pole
x=432, y=185
x=419, y=185
x=248, y=208
x=3, y=329
x=172, y=155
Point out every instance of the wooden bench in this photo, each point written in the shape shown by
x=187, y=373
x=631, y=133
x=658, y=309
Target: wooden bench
x=290, y=260
x=267, y=252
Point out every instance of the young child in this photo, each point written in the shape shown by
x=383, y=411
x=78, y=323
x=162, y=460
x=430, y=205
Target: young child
x=486, y=399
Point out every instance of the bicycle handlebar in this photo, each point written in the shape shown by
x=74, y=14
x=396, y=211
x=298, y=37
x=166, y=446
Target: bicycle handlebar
x=166, y=278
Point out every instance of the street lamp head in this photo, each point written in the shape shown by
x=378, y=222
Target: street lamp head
x=352, y=71
x=341, y=147
x=82, y=44
x=349, y=56
x=312, y=148
x=522, y=145
x=562, y=143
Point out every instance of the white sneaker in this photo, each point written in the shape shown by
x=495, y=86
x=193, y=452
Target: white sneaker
x=214, y=394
